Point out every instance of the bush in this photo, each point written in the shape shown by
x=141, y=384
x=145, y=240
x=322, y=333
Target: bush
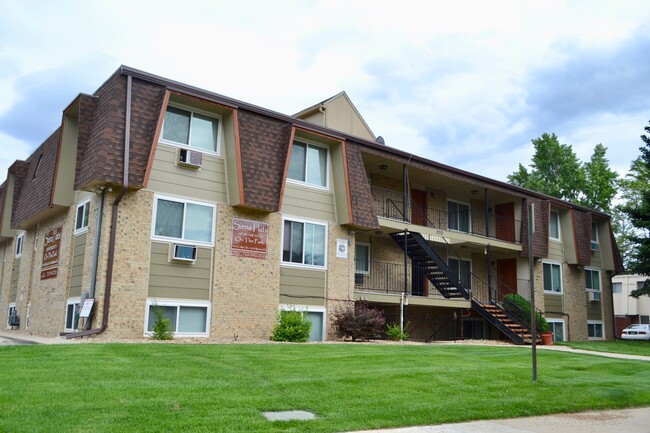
x=292, y=326
x=162, y=329
x=519, y=307
x=395, y=333
x=357, y=321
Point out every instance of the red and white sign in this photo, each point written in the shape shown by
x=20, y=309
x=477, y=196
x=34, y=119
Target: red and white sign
x=249, y=238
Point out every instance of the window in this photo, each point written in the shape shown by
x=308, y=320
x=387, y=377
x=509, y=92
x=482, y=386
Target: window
x=463, y=269
x=316, y=315
x=11, y=313
x=458, y=216
x=554, y=226
x=189, y=128
x=594, y=236
x=617, y=287
x=552, y=278
x=644, y=319
x=38, y=165
x=592, y=280
x=362, y=258
x=640, y=284
x=20, y=239
x=81, y=221
x=308, y=164
x=187, y=318
x=72, y=309
x=595, y=330
x=304, y=243
x=557, y=328
x=177, y=219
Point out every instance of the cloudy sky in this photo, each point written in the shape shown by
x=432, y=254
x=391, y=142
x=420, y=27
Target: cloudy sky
x=465, y=83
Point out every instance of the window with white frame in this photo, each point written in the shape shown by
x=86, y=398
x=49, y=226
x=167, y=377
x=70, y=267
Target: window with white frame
x=362, y=258
x=11, y=312
x=458, y=216
x=592, y=280
x=596, y=330
x=556, y=326
x=81, y=220
x=72, y=310
x=183, y=220
x=554, y=226
x=617, y=287
x=594, y=236
x=186, y=318
x=20, y=239
x=304, y=243
x=314, y=314
x=552, y=277
x=191, y=128
x=308, y=164
x=463, y=269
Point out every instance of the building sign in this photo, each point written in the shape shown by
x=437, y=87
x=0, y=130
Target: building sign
x=249, y=238
x=342, y=248
x=49, y=273
x=51, y=248
x=87, y=308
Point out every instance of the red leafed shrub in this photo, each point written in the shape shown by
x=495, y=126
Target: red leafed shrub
x=358, y=321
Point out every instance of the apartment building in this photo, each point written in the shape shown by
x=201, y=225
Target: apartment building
x=629, y=310
x=153, y=192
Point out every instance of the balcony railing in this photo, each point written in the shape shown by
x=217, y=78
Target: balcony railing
x=390, y=204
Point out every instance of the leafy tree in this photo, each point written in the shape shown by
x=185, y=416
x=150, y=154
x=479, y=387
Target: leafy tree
x=292, y=326
x=600, y=181
x=638, y=211
x=555, y=170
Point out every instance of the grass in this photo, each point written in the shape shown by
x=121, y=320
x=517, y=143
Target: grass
x=628, y=347
x=223, y=388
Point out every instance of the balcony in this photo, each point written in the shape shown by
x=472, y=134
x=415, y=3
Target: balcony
x=389, y=204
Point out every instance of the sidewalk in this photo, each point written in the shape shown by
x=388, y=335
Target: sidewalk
x=626, y=420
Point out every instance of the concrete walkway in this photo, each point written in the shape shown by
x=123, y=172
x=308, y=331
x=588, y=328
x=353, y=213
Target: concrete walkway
x=619, y=421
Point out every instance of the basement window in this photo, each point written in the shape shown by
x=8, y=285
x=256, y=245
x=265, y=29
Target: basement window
x=187, y=318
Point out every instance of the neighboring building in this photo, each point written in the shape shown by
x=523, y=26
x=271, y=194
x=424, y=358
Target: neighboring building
x=627, y=309
x=153, y=192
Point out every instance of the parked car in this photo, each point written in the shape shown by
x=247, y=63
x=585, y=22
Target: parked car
x=636, y=332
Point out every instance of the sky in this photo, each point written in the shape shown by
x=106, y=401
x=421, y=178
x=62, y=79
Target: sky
x=464, y=83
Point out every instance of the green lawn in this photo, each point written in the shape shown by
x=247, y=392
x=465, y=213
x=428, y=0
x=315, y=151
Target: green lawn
x=619, y=346
x=223, y=388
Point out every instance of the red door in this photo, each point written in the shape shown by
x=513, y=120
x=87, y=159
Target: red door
x=418, y=207
x=505, y=221
x=507, y=274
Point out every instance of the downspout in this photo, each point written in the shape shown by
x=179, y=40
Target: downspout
x=98, y=232
x=113, y=233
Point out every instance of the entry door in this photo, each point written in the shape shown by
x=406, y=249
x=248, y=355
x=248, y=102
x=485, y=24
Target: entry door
x=507, y=274
x=316, y=319
x=419, y=207
x=505, y=221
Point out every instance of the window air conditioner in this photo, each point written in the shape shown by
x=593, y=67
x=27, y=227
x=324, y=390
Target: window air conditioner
x=183, y=253
x=190, y=158
x=594, y=296
x=594, y=246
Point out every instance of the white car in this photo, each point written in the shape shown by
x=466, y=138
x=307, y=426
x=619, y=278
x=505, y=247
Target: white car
x=636, y=332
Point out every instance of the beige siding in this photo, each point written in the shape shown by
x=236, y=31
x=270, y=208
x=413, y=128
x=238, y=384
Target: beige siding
x=302, y=286
x=14, y=281
x=78, y=258
x=179, y=280
x=594, y=311
x=207, y=183
x=555, y=251
x=302, y=201
x=596, y=259
x=553, y=303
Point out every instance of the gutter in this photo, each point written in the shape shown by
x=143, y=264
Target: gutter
x=113, y=233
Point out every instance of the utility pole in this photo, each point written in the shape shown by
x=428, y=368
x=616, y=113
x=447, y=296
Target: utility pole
x=531, y=265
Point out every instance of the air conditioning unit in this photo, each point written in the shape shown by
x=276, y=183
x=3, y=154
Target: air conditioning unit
x=190, y=158
x=594, y=296
x=594, y=246
x=182, y=253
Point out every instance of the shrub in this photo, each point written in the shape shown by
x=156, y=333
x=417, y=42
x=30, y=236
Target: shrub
x=162, y=329
x=292, y=326
x=395, y=333
x=357, y=321
x=519, y=307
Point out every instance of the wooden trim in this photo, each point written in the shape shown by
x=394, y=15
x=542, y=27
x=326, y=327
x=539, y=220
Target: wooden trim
x=286, y=166
x=207, y=101
x=240, y=171
x=308, y=131
x=156, y=137
x=347, y=180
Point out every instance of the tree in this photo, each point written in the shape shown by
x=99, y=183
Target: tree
x=600, y=181
x=638, y=211
x=555, y=170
